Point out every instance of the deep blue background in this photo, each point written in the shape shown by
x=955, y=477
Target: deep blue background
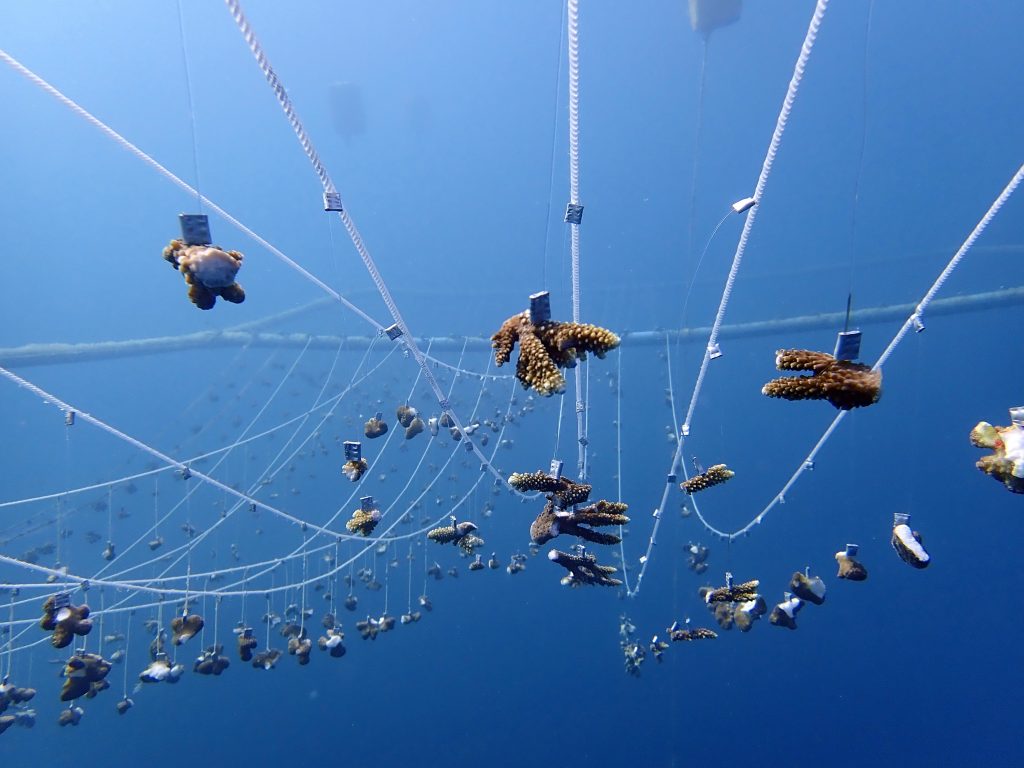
x=458, y=182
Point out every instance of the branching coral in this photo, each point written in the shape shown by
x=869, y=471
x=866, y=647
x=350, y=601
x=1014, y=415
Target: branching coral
x=583, y=569
x=684, y=635
x=562, y=490
x=209, y=272
x=64, y=620
x=715, y=475
x=552, y=522
x=733, y=593
x=1006, y=463
x=546, y=347
x=844, y=384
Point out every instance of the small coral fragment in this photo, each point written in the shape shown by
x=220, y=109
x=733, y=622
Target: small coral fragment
x=546, y=347
x=84, y=674
x=354, y=470
x=715, y=475
x=209, y=272
x=246, y=643
x=562, y=490
x=212, y=661
x=363, y=521
x=184, y=628
x=849, y=567
x=64, y=620
x=680, y=634
x=332, y=642
x=733, y=593
x=1006, y=464
x=908, y=543
x=784, y=614
x=552, y=522
x=807, y=588
x=583, y=569
x=844, y=384
x=374, y=427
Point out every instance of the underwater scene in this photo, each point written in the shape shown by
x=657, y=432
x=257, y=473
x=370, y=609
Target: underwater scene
x=523, y=383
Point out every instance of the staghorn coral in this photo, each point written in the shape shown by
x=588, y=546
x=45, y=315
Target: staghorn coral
x=844, y=384
x=184, y=628
x=1006, y=464
x=552, y=522
x=363, y=521
x=64, y=620
x=583, y=569
x=681, y=635
x=209, y=272
x=82, y=672
x=733, y=593
x=562, y=490
x=546, y=347
x=715, y=475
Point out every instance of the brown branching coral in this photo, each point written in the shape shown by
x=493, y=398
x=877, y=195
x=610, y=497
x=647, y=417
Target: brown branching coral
x=715, y=475
x=546, y=347
x=64, y=620
x=552, y=522
x=209, y=272
x=733, y=593
x=684, y=635
x=81, y=673
x=1006, y=464
x=583, y=569
x=843, y=383
x=562, y=490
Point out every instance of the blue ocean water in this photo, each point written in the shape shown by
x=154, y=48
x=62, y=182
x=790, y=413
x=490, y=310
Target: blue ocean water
x=444, y=127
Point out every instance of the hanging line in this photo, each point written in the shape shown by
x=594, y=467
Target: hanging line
x=191, y=104
x=773, y=148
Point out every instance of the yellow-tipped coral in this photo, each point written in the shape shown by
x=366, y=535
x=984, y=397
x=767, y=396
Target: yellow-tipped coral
x=715, y=475
x=209, y=272
x=1006, y=464
x=562, y=490
x=844, y=384
x=583, y=569
x=733, y=593
x=684, y=635
x=546, y=347
x=363, y=521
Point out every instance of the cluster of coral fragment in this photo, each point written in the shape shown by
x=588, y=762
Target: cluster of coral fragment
x=546, y=347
